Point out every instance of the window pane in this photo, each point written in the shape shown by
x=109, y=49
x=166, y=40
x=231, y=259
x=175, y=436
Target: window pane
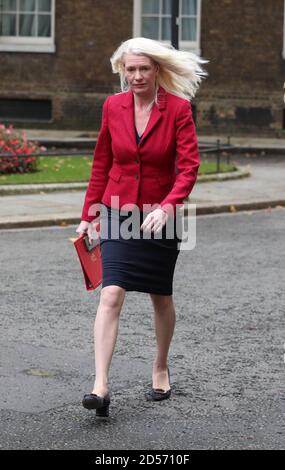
x=27, y=25
x=166, y=29
x=150, y=28
x=9, y=5
x=44, y=25
x=27, y=5
x=8, y=25
x=44, y=5
x=189, y=7
x=166, y=7
x=150, y=6
x=188, y=29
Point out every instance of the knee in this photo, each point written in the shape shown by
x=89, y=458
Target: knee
x=112, y=297
x=162, y=302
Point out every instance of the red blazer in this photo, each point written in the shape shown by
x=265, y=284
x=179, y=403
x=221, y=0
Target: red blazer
x=161, y=169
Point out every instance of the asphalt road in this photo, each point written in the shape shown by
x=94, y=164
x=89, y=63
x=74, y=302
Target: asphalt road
x=227, y=356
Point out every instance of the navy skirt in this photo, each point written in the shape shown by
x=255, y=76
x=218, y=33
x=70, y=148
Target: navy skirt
x=132, y=261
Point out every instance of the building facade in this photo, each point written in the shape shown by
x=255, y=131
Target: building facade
x=55, y=69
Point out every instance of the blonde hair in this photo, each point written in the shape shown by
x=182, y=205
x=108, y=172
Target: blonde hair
x=180, y=72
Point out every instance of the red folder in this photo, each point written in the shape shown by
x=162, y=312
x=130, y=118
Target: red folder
x=90, y=260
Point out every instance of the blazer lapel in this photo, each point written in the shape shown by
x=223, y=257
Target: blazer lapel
x=155, y=116
x=128, y=115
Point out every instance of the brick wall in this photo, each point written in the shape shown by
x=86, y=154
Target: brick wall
x=242, y=39
x=78, y=75
x=244, y=91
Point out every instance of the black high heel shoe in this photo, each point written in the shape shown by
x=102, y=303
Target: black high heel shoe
x=157, y=394
x=95, y=402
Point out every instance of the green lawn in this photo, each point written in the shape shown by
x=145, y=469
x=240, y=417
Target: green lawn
x=54, y=170
x=207, y=168
x=76, y=169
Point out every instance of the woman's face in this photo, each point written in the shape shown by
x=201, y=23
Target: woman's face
x=140, y=72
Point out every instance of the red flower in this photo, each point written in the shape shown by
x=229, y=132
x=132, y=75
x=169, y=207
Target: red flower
x=16, y=144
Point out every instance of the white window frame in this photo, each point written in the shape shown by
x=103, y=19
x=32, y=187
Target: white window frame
x=31, y=44
x=193, y=46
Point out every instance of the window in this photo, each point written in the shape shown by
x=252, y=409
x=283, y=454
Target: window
x=152, y=19
x=27, y=25
x=25, y=110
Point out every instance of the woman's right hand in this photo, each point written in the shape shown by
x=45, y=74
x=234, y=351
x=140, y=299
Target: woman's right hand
x=82, y=227
x=90, y=228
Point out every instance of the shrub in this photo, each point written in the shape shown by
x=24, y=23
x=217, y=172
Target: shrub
x=19, y=150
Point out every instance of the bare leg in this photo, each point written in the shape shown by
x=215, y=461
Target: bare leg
x=164, y=319
x=105, y=334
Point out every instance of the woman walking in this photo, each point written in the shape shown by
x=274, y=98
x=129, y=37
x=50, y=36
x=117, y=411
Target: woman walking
x=145, y=163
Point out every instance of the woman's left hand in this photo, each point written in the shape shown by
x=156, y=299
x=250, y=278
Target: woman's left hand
x=154, y=221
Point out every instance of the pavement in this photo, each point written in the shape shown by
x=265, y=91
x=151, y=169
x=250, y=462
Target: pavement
x=87, y=138
x=259, y=184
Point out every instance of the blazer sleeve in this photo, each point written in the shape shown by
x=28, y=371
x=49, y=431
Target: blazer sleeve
x=102, y=162
x=187, y=159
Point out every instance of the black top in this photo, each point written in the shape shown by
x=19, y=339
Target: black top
x=138, y=136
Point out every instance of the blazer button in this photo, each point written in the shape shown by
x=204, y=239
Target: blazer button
x=136, y=177
x=137, y=160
